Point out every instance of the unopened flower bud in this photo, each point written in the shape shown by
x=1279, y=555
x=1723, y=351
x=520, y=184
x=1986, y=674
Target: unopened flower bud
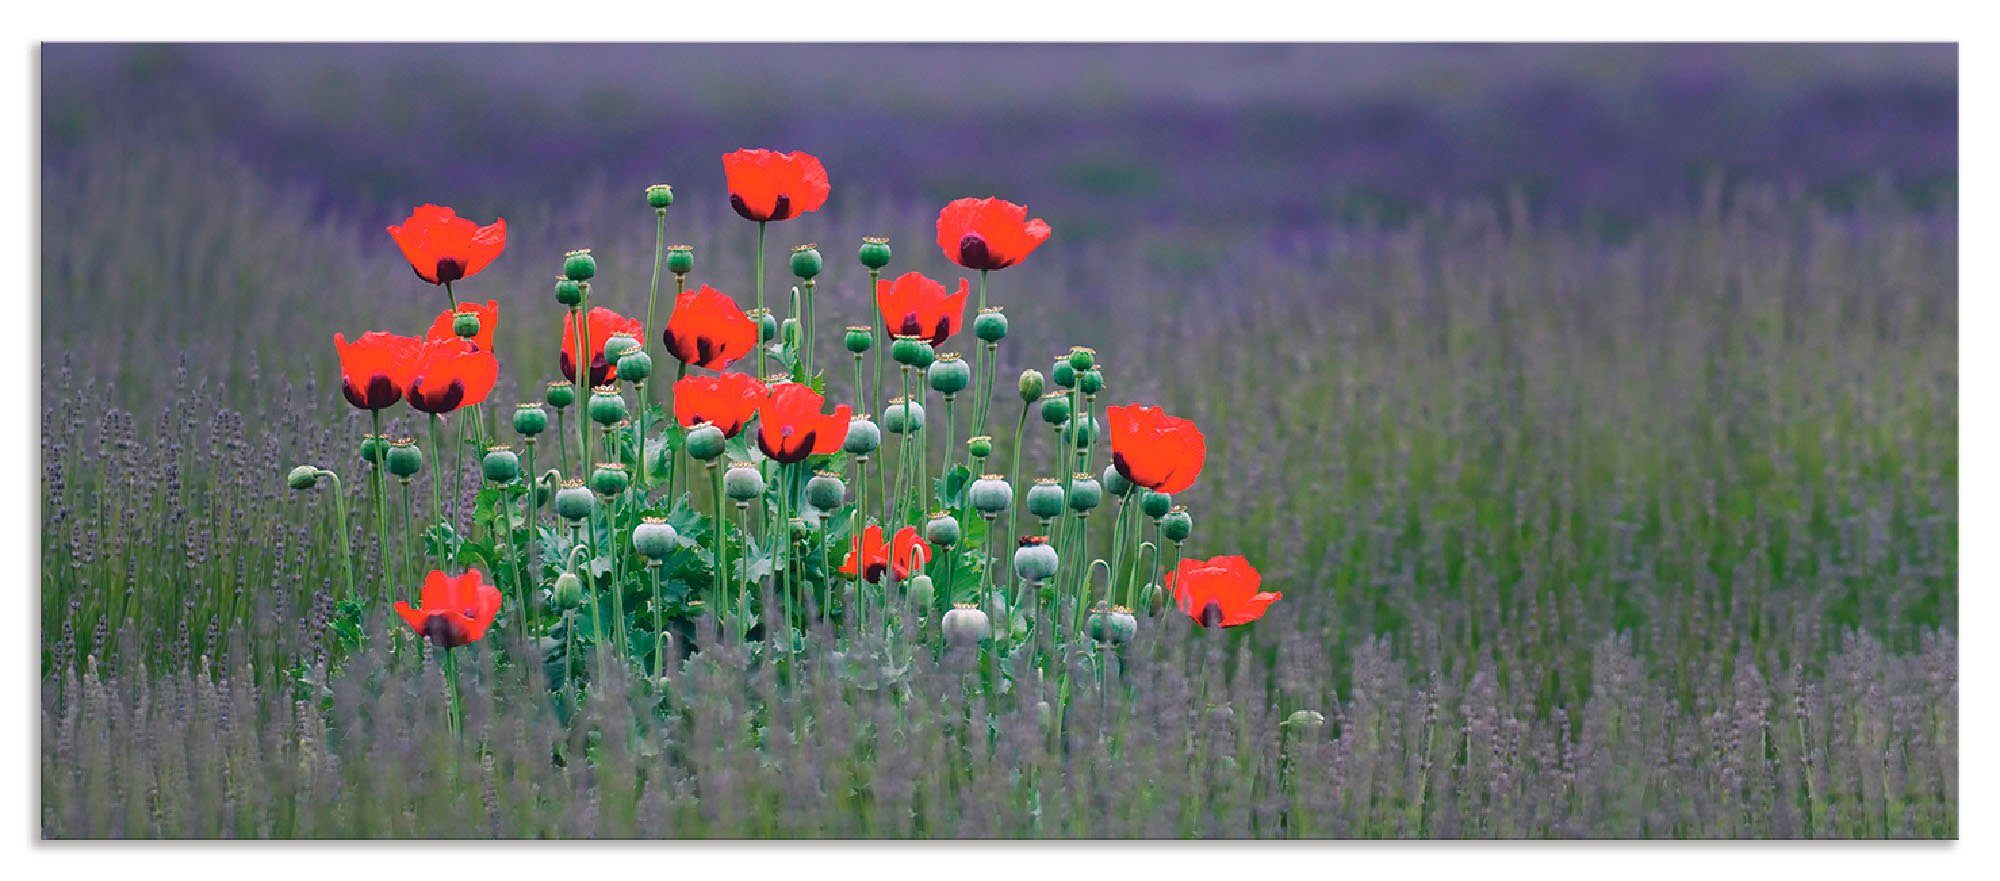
x=654, y=539
x=1084, y=492
x=1045, y=498
x=949, y=375
x=1031, y=385
x=921, y=591
x=966, y=624
x=1152, y=599
x=579, y=265
x=825, y=491
x=941, y=530
x=574, y=501
x=1034, y=560
x=660, y=196
x=680, y=259
x=863, y=437
x=859, y=339
x=1055, y=408
x=875, y=252
x=607, y=406
x=568, y=593
x=610, y=479
x=1176, y=525
x=990, y=494
x=705, y=442
x=991, y=325
x=902, y=416
x=569, y=291
x=979, y=446
x=404, y=458
x=806, y=262
x=302, y=477
x=742, y=482
x=500, y=465
x=530, y=419
x=635, y=365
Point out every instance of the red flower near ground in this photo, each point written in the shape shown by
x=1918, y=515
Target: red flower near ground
x=726, y=400
x=603, y=324
x=791, y=427
x=708, y=329
x=489, y=318
x=456, y=611
x=1220, y=591
x=988, y=233
x=913, y=305
x=450, y=374
x=443, y=247
x=767, y=185
x=870, y=556
x=1154, y=450
x=375, y=369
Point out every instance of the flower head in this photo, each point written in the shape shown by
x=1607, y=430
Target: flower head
x=1219, y=591
x=443, y=247
x=489, y=319
x=452, y=373
x=768, y=185
x=871, y=557
x=725, y=400
x=791, y=427
x=1154, y=450
x=375, y=369
x=988, y=233
x=708, y=329
x=602, y=325
x=456, y=610
x=915, y=306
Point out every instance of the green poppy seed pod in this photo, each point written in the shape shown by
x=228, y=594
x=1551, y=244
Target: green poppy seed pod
x=1062, y=373
x=825, y=491
x=921, y=591
x=1156, y=504
x=500, y=465
x=404, y=458
x=908, y=350
x=660, y=197
x=705, y=442
x=863, y=437
x=1114, y=625
x=1031, y=385
x=654, y=539
x=806, y=262
x=465, y=324
x=607, y=406
x=1034, y=560
x=560, y=394
x=574, y=501
x=617, y=345
x=373, y=448
x=990, y=494
x=967, y=624
x=569, y=591
x=1081, y=432
x=742, y=482
x=530, y=419
x=569, y=291
x=635, y=365
x=1082, y=358
x=1084, y=492
x=609, y=479
x=680, y=259
x=949, y=375
x=991, y=325
x=926, y=356
x=302, y=477
x=980, y=447
x=902, y=416
x=1045, y=498
x=767, y=324
x=875, y=252
x=1115, y=483
x=1090, y=381
x=941, y=530
x=859, y=339
x=1055, y=408
x=1176, y=525
x=578, y=265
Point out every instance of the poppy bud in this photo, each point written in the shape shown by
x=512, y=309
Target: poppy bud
x=1063, y=374
x=825, y=491
x=1034, y=560
x=902, y=416
x=500, y=465
x=1114, y=482
x=617, y=345
x=1045, y=498
x=788, y=331
x=654, y=539
x=966, y=624
x=950, y=374
x=569, y=591
x=607, y=406
x=705, y=442
x=1090, y=381
x=1304, y=719
x=742, y=482
x=530, y=419
x=980, y=447
x=1114, y=625
x=1082, y=358
x=568, y=291
x=609, y=479
x=941, y=530
x=560, y=394
x=921, y=591
x=578, y=265
x=465, y=324
x=573, y=501
x=1031, y=385
x=1055, y=408
x=909, y=350
x=990, y=494
x=806, y=262
x=635, y=365
x=1152, y=599
x=680, y=259
x=403, y=458
x=991, y=325
x=660, y=196
x=767, y=324
x=875, y=252
x=862, y=436
x=1084, y=492
x=302, y=477
x=373, y=446
x=1176, y=525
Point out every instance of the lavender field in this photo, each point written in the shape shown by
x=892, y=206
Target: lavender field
x=1594, y=409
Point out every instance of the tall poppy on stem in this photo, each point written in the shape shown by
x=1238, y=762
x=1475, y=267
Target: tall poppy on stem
x=708, y=329
x=603, y=325
x=376, y=369
x=456, y=610
x=443, y=247
x=1220, y=591
x=489, y=319
x=766, y=185
x=725, y=400
x=791, y=427
x=870, y=557
x=987, y=234
x=1152, y=449
x=914, y=305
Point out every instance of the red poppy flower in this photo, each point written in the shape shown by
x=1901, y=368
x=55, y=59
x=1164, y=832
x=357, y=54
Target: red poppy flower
x=443, y=247
x=869, y=554
x=456, y=611
x=791, y=427
x=767, y=185
x=489, y=318
x=913, y=305
x=603, y=324
x=1154, y=450
x=450, y=374
x=375, y=370
x=726, y=400
x=708, y=329
x=1220, y=591
x=988, y=233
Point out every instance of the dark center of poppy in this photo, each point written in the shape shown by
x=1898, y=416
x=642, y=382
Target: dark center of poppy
x=450, y=269
x=1211, y=614
x=973, y=253
x=379, y=393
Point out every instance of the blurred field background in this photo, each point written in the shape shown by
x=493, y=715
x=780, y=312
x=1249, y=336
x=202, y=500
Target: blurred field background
x=1594, y=407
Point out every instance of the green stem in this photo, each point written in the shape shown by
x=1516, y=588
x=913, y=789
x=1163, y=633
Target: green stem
x=1014, y=481
x=340, y=517
x=409, y=557
x=531, y=514
x=456, y=708
x=437, y=472
x=760, y=296
x=380, y=482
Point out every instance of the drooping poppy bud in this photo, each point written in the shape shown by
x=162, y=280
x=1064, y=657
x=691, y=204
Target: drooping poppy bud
x=1031, y=386
x=443, y=247
x=989, y=233
x=920, y=590
x=568, y=592
x=765, y=185
x=303, y=477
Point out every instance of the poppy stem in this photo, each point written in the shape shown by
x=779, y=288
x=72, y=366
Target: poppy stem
x=674, y=454
x=1014, y=482
x=340, y=519
x=409, y=561
x=451, y=296
x=659, y=630
x=760, y=296
x=531, y=514
x=380, y=483
x=580, y=371
x=719, y=553
x=437, y=473
x=456, y=711
x=653, y=296
x=644, y=466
